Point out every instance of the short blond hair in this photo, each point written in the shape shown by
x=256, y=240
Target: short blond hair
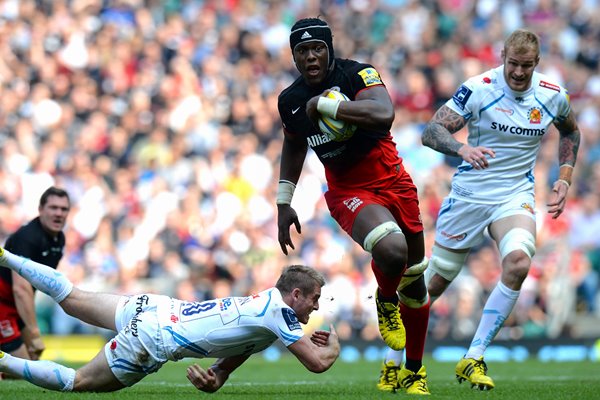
x=521, y=41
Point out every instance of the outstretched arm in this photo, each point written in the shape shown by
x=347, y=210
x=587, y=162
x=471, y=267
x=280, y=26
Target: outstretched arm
x=211, y=379
x=292, y=160
x=568, y=147
x=319, y=352
x=24, y=302
x=438, y=135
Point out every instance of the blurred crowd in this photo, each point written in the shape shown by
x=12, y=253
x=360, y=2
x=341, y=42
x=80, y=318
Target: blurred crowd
x=159, y=117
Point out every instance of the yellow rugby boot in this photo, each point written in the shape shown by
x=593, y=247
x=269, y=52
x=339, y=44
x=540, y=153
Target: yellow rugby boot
x=474, y=371
x=414, y=383
x=388, y=377
x=390, y=324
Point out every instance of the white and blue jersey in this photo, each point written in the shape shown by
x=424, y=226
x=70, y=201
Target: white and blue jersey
x=510, y=123
x=153, y=329
x=227, y=327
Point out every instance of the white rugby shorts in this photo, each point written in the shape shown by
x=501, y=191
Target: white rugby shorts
x=137, y=350
x=461, y=225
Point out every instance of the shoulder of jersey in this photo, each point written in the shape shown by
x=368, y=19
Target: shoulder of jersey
x=547, y=85
x=487, y=80
x=292, y=89
x=351, y=66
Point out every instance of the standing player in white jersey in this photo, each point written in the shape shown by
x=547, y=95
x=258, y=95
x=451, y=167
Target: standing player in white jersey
x=154, y=329
x=507, y=111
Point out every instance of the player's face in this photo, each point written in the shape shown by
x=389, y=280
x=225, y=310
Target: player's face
x=307, y=304
x=311, y=60
x=53, y=214
x=518, y=68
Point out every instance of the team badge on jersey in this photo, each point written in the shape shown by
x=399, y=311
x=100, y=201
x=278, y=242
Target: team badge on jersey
x=290, y=319
x=462, y=96
x=535, y=115
x=370, y=77
x=528, y=207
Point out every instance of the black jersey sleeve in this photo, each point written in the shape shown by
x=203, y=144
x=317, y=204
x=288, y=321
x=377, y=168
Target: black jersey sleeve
x=20, y=243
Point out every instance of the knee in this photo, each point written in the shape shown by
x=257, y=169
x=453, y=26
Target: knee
x=390, y=255
x=436, y=285
x=445, y=265
x=516, y=266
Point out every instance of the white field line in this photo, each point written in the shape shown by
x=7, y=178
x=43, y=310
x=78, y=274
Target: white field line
x=536, y=378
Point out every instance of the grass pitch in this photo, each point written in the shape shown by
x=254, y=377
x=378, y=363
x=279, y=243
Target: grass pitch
x=287, y=379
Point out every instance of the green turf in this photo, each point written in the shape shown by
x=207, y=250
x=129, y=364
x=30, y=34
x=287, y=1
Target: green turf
x=287, y=379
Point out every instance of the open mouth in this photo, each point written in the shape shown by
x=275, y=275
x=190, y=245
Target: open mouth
x=313, y=70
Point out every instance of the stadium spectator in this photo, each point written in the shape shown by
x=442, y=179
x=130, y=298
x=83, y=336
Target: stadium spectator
x=153, y=329
x=41, y=240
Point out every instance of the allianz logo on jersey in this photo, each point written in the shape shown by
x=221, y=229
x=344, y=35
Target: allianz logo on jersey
x=517, y=130
x=316, y=140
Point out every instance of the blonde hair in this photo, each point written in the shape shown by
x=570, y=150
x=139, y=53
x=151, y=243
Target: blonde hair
x=521, y=41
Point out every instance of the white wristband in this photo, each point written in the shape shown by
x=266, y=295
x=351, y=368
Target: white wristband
x=564, y=181
x=328, y=107
x=285, y=192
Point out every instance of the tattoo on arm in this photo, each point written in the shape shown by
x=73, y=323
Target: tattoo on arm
x=438, y=133
x=570, y=137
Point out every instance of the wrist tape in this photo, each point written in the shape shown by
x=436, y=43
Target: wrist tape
x=285, y=192
x=328, y=107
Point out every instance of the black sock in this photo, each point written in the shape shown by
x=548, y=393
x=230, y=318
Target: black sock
x=413, y=365
x=387, y=299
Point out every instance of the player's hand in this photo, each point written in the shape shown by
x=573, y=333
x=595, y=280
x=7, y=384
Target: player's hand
x=35, y=348
x=476, y=156
x=205, y=380
x=320, y=338
x=33, y=343
x=311, y=108
x=558, y=199
x=325, y=338
x=286, y=216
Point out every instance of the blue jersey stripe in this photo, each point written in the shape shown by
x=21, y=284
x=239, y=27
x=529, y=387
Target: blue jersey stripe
x=184, y=342
x=544, y=107
x=289, y=337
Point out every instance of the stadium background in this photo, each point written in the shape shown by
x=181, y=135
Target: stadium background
x=160, y=119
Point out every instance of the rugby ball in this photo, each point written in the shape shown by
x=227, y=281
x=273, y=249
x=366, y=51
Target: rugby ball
x=334, y=129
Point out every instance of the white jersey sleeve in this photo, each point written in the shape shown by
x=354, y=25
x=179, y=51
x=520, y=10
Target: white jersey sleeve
x=227, y=327
x=510, y=123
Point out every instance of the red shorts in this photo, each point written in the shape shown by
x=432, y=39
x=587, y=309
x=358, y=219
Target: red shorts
x=9, y=325
x=400, y=198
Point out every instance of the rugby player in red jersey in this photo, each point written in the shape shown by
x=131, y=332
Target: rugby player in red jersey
x=370, y=194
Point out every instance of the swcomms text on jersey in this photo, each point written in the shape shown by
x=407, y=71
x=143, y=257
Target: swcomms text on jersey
x=517, y=130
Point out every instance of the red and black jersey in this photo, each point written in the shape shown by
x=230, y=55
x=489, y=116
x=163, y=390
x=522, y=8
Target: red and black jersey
x=33, y=242
x=368, y=159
